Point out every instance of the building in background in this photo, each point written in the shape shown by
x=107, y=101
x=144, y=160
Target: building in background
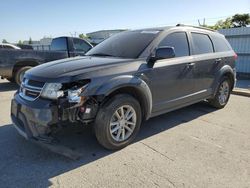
x=43, y=44
x=239, y=38
x=98, y=36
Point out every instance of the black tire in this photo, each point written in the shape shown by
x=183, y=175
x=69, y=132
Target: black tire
x=19, y=74
x=103, y=119
x=10, y=80
x=215, y=102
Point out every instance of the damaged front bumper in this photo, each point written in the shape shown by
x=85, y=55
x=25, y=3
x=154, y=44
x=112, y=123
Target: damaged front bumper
x=33, y=119
x=36, y=120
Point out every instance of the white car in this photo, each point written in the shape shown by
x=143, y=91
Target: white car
x=9, y=46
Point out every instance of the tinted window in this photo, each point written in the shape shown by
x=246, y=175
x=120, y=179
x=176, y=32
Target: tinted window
x=59, y=44
x=202, y=43
x=128, y=44
x=220, y=43
x=178, y=41
x=81, y=45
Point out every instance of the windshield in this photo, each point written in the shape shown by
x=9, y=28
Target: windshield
x=129, y=44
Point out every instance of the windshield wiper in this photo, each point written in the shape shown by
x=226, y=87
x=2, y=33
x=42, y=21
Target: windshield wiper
x=102, y=54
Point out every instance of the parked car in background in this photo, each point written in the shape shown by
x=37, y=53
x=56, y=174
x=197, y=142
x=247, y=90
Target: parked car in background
x=128, y=78
x=9, y=46
x=14, y=63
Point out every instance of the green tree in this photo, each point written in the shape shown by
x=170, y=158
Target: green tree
x=241, y=20
x=30, y=41
x=238, y=20
x=83, y=36
x=20, y=42
x=223, y=24
x=4, y=41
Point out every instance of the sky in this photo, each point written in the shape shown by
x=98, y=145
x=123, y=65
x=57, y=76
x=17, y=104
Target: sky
x=21, y=19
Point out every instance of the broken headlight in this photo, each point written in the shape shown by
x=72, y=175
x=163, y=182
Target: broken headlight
x=52, y=91
x=74, y=94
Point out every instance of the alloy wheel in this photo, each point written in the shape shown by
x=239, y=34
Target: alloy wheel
x=123, y=123
x=223, y=92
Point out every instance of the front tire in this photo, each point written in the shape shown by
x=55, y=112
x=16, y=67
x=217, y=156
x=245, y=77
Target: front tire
x=223, y=93
x=118, y=122
x=20, y=73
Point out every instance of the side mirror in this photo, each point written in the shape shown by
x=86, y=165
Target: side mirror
x=164, y=52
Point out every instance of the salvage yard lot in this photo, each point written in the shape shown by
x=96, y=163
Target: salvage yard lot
x=196, y=146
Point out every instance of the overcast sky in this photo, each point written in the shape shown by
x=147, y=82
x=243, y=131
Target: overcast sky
x=21, y=19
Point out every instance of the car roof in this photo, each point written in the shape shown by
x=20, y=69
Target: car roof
x=180, y=26
x=11, y=45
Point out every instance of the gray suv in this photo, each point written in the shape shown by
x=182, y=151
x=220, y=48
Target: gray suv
x=128, y=78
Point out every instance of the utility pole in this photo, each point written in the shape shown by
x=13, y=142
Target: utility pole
x=199, y=22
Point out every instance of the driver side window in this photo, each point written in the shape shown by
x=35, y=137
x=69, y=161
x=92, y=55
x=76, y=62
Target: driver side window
x=179, y=41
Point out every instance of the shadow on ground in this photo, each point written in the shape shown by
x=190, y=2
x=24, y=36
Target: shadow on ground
x=8, y=86
x=25, y=164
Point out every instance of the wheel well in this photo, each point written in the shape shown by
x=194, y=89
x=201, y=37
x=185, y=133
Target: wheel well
x=133, y=92
x=231, y=78
x=23, y=64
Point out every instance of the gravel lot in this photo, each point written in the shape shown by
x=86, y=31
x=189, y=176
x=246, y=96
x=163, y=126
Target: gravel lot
x=197, y=146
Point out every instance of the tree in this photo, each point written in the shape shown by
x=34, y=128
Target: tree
x=20, y=42
x=30, y=41
x=241, y=20
x=238, y=20
x=223, y=24
x=83, y=36
x=4, y=41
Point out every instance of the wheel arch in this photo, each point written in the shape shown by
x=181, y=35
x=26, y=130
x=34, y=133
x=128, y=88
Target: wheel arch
x=128, y=85
x=225, y=71
x=24, y=63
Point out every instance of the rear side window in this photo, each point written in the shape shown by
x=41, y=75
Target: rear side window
x=179, y=41
x=202, y=43
x=220, y=43
x=81, y=45
x=59, y=44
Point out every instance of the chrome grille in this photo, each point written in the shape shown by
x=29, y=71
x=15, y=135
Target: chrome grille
x=30, y=89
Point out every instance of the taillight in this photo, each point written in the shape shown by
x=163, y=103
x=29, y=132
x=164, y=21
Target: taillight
x=235, y=56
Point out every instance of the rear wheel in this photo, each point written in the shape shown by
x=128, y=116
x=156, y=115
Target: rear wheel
x=223, y=93
x=20, y=74
x=10, y=80
x=118, y=122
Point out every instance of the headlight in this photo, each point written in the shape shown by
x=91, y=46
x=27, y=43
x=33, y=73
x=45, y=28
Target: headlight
x=74, y=94
x=52, y=90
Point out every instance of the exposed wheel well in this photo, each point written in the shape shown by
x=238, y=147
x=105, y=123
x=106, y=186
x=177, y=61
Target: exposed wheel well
x=133, y=92
x=23, y=64
x=231, y=78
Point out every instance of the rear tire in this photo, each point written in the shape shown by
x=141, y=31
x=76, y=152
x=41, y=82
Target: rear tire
x=20, y=73
x=115, y=131
x=222, y=94
x=10, y=80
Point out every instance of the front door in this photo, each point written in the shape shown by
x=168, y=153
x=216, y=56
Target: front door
x=172, y=80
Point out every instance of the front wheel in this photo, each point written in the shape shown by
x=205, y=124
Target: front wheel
x=118, y=122
x=20, y=74
x=223, y=93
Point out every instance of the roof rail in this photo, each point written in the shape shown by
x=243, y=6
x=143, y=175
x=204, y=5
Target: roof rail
x=199, y=27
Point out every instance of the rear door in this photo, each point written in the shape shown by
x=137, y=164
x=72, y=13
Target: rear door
x=205, y=63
